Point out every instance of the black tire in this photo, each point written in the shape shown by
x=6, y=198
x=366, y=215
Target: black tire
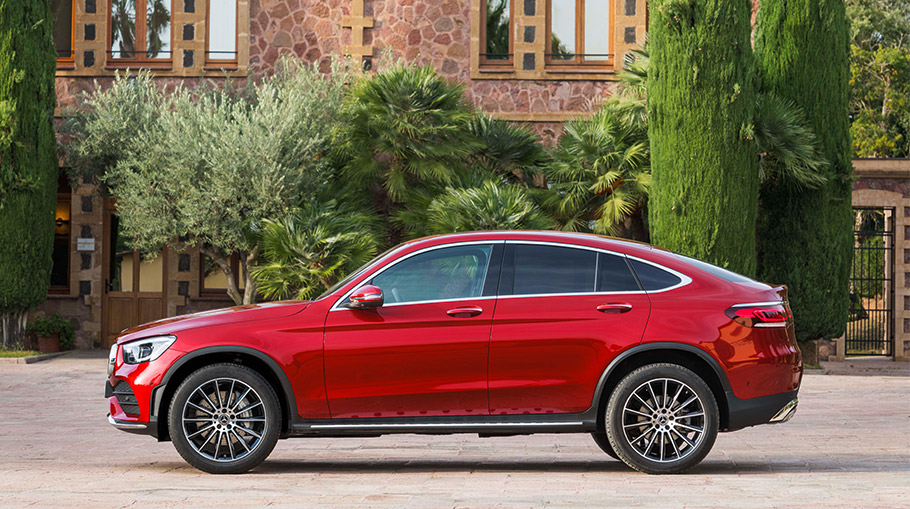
x=636, y=423
x=600, y=438
x=247, y=425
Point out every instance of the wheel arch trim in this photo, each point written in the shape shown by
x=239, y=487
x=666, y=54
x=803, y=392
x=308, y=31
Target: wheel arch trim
x=273, y=366
x=646, y=347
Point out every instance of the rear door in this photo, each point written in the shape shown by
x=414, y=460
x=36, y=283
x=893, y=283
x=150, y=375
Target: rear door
x=563, y=313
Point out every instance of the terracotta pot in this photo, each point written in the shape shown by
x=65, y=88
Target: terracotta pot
x=49, y=344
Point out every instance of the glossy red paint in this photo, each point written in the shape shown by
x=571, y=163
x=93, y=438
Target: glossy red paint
x=518, y=355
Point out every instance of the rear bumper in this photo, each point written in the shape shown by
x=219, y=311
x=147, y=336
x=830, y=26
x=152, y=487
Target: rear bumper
x=775, y=408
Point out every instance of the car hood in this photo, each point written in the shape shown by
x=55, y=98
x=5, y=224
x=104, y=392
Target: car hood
x=222, y=316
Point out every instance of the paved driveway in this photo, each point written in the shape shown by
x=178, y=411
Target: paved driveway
x=849, y=445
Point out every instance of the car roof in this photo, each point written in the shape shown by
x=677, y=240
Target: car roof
x=573, y=238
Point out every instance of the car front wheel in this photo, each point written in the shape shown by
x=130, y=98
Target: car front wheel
x=224, y=419
x=662, y=419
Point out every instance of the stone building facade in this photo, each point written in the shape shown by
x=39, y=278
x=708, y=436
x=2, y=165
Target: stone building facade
x=540, y=62
x=534, y=61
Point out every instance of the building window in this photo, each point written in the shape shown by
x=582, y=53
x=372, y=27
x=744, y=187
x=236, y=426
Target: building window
x=60, y=272
x=496, y=33
x=221, y=33
x=580, y=32
x=63, y=30
x=140, y=31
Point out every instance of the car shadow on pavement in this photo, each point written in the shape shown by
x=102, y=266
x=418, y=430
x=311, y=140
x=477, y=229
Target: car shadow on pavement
x=714, y=468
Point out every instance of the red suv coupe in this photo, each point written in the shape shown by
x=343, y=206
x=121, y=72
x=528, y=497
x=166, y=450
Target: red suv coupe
x=494, y=333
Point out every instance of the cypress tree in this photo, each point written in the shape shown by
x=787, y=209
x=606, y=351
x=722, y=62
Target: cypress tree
x=28, y=160
x=805, y=236
x=701, y=99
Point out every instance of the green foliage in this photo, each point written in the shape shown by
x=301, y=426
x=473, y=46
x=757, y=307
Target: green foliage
x=701, y=101
x=805, y=235
x=508, y=149
x=601, y=171
x=880, y=77
x=212, y=163
x=28, y=160
x=54, y=324
x=404, y=126
x=490, y=206
x=312, y=248
x=787, y=145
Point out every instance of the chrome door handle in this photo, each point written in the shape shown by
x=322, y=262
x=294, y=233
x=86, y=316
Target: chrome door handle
x=615, y=308
x=466, y=312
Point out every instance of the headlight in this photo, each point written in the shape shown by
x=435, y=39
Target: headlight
x=146, y=349
x=112, y=360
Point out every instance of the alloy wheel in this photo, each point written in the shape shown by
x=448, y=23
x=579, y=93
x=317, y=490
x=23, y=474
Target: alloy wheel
x=224, y=419
x=663, y=420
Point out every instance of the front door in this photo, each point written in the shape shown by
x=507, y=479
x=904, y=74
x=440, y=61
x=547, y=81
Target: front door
x=424, y=352
x=562, y=314
x=133, y=289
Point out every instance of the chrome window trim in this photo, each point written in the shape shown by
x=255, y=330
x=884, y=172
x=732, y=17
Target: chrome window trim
x=684, y=279
x=337, y=304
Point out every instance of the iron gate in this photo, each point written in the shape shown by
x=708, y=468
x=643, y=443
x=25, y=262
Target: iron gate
x=870, y=330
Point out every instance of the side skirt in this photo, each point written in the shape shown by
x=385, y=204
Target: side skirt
x=484, y=425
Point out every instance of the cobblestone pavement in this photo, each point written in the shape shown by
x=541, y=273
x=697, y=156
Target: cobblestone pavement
x=849, y=445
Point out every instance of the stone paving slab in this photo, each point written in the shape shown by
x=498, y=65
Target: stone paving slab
x=847, y=446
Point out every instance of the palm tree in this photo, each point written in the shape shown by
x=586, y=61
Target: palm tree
x=312, y=248
x=510, y=150
x=491, y=206
x=406, y=125
x=601, y=173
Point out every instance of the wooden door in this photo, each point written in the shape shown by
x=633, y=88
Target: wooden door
x=134, y=290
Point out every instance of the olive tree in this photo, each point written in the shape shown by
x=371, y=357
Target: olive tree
x=207, y=166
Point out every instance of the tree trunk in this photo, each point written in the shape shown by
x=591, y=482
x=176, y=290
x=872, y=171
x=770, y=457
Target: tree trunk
x=13, y=325
x=249, y=284
x=225, y=265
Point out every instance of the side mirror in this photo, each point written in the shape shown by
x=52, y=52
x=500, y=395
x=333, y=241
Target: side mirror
x=367, y=296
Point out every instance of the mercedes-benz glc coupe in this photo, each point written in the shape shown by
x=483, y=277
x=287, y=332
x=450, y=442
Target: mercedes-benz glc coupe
x=493, y=333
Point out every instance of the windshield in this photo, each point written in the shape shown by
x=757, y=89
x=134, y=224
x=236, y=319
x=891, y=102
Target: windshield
x=356, y=273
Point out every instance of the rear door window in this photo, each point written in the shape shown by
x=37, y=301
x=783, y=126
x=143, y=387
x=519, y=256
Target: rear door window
x=540, y=269
x=614, y=274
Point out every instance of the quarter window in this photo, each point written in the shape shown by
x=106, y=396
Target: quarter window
x=140, y=30
x=653, y=278
x=614, y=275
x=442, y=274
x=553, y=269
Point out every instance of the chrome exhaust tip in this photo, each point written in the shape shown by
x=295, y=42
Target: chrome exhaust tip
x=786, y=413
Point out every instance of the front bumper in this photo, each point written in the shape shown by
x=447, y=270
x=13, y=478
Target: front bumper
x=775, y=409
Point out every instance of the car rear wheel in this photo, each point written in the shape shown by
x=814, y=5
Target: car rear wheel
x=662, y=419
x=224, y=419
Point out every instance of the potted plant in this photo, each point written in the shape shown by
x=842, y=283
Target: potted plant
x=54, y=333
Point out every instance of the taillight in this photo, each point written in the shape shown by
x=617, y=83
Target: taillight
x=761, y=314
